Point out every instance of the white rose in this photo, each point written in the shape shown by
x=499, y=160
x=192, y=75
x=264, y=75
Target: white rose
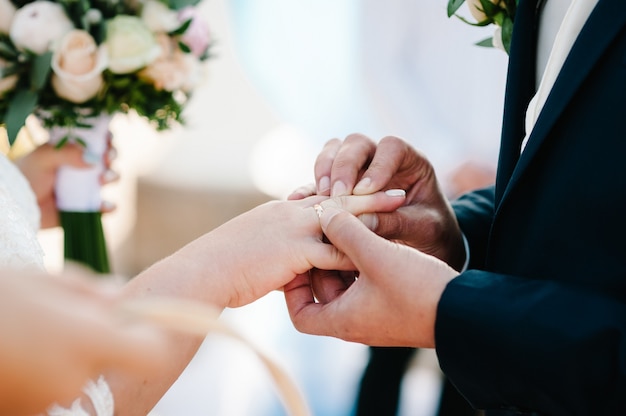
x=130, y=44
x=7, y=10
x=7, y=83
x=77, y=66
x=476, y=9
x=37, y=25
x=158, y=17
x=496, y=41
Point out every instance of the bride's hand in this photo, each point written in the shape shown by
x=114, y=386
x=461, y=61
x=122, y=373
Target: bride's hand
x=40, y=169
x=268, y=246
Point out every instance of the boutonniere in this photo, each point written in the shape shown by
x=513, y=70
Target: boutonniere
x=486, y=12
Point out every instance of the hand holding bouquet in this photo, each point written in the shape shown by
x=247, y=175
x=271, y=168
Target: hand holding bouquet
x=72, y=63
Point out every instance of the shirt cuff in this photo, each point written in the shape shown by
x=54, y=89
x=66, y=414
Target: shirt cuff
x=467, y=253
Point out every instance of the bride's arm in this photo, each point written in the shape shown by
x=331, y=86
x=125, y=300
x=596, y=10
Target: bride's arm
x=57, y=332
x=233, y=265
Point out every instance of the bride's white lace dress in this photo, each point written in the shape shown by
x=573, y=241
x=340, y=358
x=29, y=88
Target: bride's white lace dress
x=20, y=248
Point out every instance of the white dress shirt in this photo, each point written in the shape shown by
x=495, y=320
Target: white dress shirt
x=553, y=47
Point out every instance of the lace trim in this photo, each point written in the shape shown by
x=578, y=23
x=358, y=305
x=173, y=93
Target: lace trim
x=75, y=410
x=19, y=246
x=100, y=395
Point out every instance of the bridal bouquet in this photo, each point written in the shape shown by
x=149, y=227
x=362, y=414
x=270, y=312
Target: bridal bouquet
x=486, y=12
x=75, y=63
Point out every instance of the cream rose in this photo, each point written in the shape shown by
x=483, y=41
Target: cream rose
x=158, y=17
x=476, y=9
x=38, y=25
x=7, y=11
x=8, y=82
x=173, y=70
x=130, y=44
x=77, y=66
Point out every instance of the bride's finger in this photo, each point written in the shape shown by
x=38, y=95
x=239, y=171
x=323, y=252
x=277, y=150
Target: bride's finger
x=386, y=201
x=303, y=191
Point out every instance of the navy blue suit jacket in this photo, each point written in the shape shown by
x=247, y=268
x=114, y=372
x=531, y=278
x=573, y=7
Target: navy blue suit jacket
x=538, y=322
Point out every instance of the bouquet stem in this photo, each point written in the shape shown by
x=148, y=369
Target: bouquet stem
x=84, y=240
x=78, y=194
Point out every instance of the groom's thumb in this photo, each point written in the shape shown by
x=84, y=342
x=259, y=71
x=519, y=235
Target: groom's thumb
x=350, y=236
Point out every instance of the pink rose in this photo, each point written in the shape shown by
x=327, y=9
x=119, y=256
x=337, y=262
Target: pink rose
x=77, y=66
x=197, y=36
x=173, y=70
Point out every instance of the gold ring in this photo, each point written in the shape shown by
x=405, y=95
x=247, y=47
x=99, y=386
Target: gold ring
x=319, y=210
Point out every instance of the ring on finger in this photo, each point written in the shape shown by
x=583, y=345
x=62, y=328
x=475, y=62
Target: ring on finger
x=319, y=210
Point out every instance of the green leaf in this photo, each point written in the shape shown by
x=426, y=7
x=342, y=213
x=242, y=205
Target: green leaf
x=62, y=142
x=486, y=43
x=21, y=106
x=8, y=71
x=489, y=8
x=453, y=6
x=511, y=8
x=485, y=22
x=182, y=29
x=507, y=33
x=40, y=70
x=181, y=4
x=183, y=47
x=7, y=51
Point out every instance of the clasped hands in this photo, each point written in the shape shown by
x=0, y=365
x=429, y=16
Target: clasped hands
x=400, y=270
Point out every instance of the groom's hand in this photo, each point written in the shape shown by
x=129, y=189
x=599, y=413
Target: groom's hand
x=393, y=302
x=359, y=166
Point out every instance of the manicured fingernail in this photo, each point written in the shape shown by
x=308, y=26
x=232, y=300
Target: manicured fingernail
x=90, y=158
x=324, y=185
x=370, y=220
x=363, y=185
x=339, y=188
x=395, y=192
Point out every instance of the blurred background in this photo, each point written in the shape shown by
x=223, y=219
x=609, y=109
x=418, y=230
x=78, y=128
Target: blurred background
x=285, y=77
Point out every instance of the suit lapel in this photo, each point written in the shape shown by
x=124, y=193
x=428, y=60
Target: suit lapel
x=603, y=25
x=520, y=88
